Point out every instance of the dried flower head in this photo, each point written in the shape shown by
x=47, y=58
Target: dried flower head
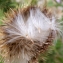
x=27, y=33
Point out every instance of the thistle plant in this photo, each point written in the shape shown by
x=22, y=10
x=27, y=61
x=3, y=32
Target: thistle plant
x=27, y=33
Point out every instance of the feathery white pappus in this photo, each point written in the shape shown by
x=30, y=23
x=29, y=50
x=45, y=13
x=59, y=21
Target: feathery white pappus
x=24, y=39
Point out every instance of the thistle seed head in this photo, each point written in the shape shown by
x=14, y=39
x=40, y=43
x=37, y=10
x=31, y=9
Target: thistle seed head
x=27, y=33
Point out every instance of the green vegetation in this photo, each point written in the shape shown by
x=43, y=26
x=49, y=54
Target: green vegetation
x=54, y=55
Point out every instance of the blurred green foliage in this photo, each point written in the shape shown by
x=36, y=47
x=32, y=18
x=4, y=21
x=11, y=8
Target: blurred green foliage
x=6, y=4
x=1, y=16
x=55, y=53
x=1, y=60
x=51, y=3
x=33, y=2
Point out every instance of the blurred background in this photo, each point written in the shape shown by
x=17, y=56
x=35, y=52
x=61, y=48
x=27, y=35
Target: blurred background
x=55, y=52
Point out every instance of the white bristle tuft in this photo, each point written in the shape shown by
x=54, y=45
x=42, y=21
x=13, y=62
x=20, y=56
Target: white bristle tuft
x=37, y=26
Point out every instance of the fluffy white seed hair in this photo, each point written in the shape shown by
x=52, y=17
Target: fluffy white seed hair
x=37, y=26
